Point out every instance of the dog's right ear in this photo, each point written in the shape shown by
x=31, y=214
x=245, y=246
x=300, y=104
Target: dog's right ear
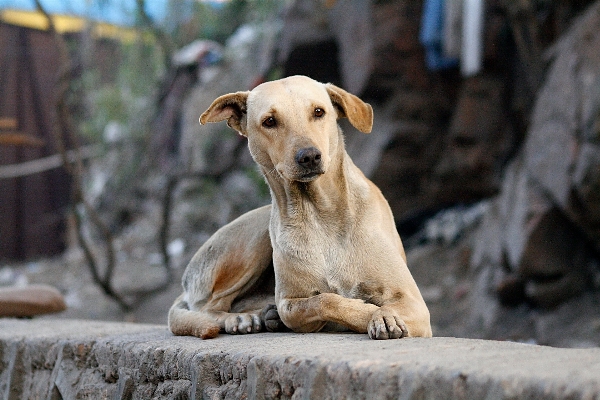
x=230, y=107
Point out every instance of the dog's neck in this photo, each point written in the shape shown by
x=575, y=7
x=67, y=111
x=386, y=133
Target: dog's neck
x=328, y=195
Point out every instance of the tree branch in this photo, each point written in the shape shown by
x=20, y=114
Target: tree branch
x=63, y=132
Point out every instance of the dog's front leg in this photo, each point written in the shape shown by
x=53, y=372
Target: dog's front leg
x=310, y=314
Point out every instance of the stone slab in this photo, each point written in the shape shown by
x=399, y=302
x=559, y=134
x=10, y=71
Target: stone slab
x=68, y=359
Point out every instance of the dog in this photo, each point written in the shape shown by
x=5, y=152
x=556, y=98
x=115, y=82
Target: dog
x=325, y=255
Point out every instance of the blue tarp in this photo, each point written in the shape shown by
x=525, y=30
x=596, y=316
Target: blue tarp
x=431, y=35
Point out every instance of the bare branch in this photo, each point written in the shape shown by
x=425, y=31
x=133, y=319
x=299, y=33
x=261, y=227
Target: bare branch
x=64, y=131
x=163, y=40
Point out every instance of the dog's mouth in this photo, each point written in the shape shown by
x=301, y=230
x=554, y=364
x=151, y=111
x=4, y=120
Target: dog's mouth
x=310, y=176
x=303, y=175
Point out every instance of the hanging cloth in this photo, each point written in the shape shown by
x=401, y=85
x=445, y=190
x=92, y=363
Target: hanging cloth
x=471, y=59
x=452, y=34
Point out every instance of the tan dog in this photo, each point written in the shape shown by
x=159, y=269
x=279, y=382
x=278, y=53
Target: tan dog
x=329, y=235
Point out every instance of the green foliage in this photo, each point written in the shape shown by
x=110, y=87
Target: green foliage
x=259, y=180
x=127, y=98
x=190, y=20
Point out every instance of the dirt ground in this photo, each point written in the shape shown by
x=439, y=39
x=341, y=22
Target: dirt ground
x=138, y=267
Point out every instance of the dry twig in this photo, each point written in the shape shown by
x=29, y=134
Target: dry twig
x=64, y=132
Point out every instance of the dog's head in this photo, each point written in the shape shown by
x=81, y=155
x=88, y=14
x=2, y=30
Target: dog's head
x=291, y=123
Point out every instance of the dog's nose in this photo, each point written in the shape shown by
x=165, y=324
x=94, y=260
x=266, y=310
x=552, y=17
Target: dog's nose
x=309, y=158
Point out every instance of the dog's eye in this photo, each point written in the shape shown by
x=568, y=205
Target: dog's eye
x=319, y=112
x=269, y=122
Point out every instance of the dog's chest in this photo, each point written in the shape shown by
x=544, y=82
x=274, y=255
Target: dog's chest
x=309, y=238
x=328, y=260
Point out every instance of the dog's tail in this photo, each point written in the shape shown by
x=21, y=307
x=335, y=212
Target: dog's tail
x=184, y=322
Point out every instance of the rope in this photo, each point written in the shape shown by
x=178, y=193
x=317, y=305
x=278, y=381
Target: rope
x=47, y=163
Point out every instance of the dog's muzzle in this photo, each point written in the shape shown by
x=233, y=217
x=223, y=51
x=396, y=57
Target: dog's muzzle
x=309, y=161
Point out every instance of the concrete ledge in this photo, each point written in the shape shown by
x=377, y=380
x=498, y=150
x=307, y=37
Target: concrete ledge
x=67, y=359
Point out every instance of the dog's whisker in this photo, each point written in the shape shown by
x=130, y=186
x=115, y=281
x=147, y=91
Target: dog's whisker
x=272, y=172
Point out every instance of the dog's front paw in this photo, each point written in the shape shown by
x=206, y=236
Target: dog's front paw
x=270, y=317
x=386, y=324
x=242, y=324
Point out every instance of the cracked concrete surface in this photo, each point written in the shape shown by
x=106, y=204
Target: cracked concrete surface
x=68, y=359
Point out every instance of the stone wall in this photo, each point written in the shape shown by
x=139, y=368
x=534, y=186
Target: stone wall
x=58, y=359
x=545, y=224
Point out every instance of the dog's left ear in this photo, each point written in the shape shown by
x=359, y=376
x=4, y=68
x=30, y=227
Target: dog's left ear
x=230, y=107
x=349, y=106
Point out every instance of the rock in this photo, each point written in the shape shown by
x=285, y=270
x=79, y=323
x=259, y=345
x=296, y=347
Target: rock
x=563, y=145
x=30, y=300
x=352, y=25
x=307, y=45
x=547, y=210
x=208, y=148
x=408, y=158
x=212, y=147
x=477, y=144
x=373, y=46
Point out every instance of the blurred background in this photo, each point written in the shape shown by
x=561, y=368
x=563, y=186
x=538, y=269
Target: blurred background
x=486, y=144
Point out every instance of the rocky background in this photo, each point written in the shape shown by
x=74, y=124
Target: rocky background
x=494, y=179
